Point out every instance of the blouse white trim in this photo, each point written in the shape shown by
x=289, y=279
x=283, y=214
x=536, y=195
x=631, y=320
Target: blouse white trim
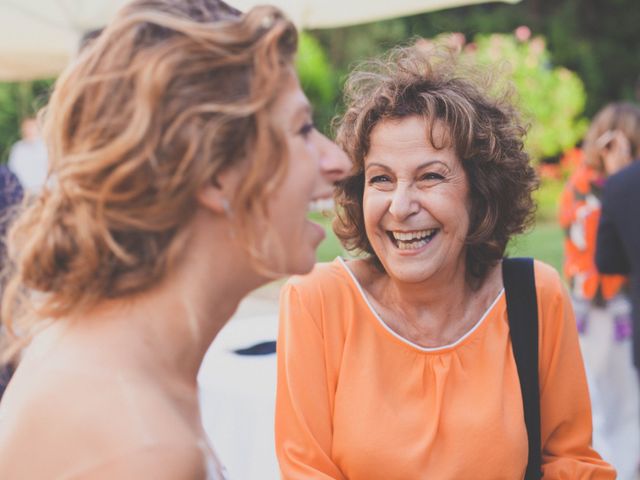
x=405, y=340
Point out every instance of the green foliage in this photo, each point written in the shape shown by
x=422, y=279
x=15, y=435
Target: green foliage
x=547, y=199
x=544, y=242
x=550, y=98
x=330, y=247
x=318, y=79
x=600, y=41
x=17, y=101
x=596, y=39
x=314, y=70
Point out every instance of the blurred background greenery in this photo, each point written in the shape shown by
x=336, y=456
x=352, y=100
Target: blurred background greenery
x=17, y=101
x=566, y=59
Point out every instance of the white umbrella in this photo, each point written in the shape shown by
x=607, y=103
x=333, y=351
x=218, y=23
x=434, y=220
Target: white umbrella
x=340, y=13
x=38, y=37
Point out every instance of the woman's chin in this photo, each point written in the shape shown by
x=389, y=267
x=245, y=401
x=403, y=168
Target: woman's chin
x=304, y=264
x=304, y=257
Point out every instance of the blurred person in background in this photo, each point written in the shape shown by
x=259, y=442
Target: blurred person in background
x=183, y=163
x=601, y=301
x=399, y=365
x=10, y=196
x=28, y=157
x=34, y=171
x=618, y=242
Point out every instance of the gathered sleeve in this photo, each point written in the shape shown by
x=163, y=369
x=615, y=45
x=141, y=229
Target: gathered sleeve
x=304, y=396
x=565, y=406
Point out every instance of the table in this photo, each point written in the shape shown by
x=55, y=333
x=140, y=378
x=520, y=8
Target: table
x=237, y=394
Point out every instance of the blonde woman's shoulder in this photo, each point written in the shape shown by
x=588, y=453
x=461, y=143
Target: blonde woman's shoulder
x=57, y=422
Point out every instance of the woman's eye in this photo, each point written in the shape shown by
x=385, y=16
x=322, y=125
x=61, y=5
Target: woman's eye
x=379, y=179
x=306, y=129
x=432, y=176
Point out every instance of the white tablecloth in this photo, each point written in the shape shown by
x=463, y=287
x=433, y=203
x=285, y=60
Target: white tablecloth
x=614, y=387
x=237, y=398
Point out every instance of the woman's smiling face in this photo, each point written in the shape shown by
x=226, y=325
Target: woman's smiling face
x=416, y=201
x=315, y=163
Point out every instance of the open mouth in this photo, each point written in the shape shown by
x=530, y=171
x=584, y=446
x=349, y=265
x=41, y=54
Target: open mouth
x=321, y=205
x=412, y=240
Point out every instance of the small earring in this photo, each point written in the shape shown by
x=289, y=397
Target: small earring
x=229, y=214
x=226, y=207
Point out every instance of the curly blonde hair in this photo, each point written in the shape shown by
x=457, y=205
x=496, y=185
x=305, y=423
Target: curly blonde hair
x=483, y=128
x=169, y=95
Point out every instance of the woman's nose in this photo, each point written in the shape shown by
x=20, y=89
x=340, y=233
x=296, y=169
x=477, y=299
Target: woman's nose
x=403, y=204
x=334, y=163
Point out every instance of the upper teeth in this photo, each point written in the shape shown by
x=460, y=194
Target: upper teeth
x=407, y=236
x=321, y=205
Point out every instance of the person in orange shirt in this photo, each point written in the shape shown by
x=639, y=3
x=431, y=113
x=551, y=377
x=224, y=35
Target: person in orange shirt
x=399, y=365
x=579, y=214
x=601, y=301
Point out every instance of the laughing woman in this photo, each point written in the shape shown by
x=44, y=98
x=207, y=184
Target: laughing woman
x=183, y=159
x=400, y=365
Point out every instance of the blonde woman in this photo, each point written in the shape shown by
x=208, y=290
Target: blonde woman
x=183, y=161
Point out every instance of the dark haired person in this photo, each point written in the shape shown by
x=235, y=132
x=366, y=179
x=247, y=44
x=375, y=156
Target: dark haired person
x=10, y=195
x=399, y=365
x=618, y=244
x=601, y=301
x=618, y=247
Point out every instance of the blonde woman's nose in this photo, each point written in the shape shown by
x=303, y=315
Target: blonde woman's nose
x=334, y=163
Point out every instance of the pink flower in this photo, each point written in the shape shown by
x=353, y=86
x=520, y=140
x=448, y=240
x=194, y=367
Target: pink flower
x=522, y=33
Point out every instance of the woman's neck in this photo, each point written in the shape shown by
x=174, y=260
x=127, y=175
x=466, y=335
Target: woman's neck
x=197, y=301
x=167, y=329
x=434, y=312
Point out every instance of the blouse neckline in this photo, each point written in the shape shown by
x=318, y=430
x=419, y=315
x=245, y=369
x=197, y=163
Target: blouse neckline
x=406, y=341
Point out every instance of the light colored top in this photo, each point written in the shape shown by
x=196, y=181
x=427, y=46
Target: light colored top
x=355, y=400
x=28, y=160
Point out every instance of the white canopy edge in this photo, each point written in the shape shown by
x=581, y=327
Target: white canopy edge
x=39, y=37
x=342, y=13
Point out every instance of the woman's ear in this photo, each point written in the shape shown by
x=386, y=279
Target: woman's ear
x=616, y=154
x=212, y=198
x=215, y=194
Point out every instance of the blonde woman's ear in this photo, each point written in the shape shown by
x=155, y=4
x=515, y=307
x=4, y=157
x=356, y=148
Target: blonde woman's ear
x=215, y=195
x=212, y=197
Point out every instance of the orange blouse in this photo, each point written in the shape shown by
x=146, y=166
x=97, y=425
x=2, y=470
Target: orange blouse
x=357, y=401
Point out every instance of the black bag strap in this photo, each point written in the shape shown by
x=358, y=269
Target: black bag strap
x=522, y=310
